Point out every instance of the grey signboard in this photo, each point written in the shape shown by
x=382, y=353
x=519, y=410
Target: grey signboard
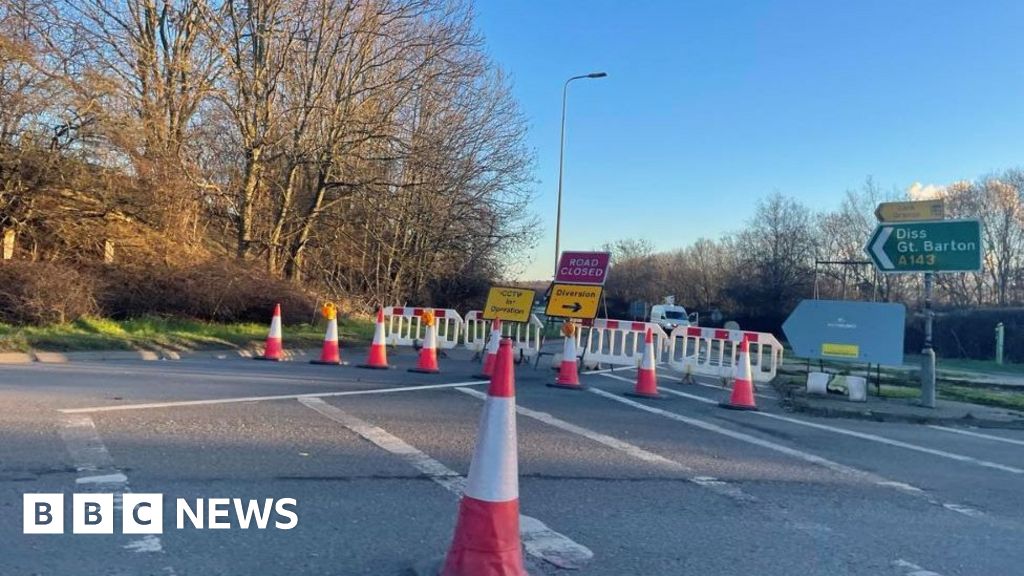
x=846, y=331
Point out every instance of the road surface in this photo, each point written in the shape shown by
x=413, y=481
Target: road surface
x=612, y=485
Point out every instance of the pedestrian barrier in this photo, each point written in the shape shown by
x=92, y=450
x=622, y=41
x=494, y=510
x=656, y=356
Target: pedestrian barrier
x=525, y=336
x=620, y=342
x=714, y=352
x=405, y=326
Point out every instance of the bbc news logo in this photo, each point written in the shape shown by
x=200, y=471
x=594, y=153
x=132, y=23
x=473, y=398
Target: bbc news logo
x=144, y=513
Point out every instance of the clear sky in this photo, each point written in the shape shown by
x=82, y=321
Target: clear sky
x=710, y=105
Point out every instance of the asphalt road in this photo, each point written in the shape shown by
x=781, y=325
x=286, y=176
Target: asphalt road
x=671, y=487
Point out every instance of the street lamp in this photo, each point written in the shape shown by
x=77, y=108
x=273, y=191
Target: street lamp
x=561, y=156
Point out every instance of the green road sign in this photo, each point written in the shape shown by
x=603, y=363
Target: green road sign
x=932, y=246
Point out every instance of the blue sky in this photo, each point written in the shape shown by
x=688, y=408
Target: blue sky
x=711, y=105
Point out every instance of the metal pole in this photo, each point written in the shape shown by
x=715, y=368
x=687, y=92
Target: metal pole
x=999, y=343
x=928, y=363
x=561, y=159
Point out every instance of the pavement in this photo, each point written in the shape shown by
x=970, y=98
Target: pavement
x=793, y=396
x=609, y=485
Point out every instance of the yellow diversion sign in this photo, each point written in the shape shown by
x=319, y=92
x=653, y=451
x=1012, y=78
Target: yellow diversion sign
x=574, y=301
x=509, y=304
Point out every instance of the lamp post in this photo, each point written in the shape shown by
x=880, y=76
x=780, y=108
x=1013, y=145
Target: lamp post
x=561, y=156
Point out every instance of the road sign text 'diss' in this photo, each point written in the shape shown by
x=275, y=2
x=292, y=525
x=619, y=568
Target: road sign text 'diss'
x=937, y=246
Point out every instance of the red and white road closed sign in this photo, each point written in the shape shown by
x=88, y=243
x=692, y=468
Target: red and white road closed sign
x=583, y=267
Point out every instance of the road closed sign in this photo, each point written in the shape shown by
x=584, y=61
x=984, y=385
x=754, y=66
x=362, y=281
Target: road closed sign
x=574, y=301
x=583, y=267
x=508, y=304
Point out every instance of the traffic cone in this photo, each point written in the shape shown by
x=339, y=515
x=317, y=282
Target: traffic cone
x=742, y=397
x=646, y=378
x=486, y=540
x=568, y=371
x=274, y=350
x=491, y=352
x=330, y=353
x=427, y=362
x=378, y=357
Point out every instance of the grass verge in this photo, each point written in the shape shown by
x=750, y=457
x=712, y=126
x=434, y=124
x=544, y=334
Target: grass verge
x=153, y=332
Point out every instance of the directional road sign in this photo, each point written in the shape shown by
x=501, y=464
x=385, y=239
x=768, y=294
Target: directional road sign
x=937, y=246
x=905, y=211
x=846, y=331
x=574, y=301
x=583, y=267
x=511, y=304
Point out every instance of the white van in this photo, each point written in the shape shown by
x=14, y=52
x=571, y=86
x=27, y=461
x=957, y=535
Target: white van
x=669, y=316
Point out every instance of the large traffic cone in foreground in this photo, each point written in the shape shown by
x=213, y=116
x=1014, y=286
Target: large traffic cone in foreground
x=646, y=378
x=486, y=541
x=378, y=357
x=491, y=351
x=427, y=362
x=742, y=397
x=568, y=371
x=330, y=354
x=274, y=350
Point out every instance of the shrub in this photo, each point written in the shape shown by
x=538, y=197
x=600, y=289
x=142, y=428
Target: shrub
x=217, y=290
x=44, y=293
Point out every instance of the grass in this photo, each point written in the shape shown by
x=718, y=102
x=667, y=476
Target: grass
x=175, y=333
x=999, y=398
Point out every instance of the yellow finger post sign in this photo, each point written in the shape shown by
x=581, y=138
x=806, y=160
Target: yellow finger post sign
x=509, y=304
x=574, y=301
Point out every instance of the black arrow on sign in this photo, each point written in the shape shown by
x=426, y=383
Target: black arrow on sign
x=575, y=307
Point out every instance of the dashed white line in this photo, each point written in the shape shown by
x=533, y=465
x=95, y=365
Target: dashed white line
x=90, y=455
x=911, y=569
x=538, y=540
x=215, y=401
x=867, y=436
x=799, y=454
x=977, y=434
x=720, y=486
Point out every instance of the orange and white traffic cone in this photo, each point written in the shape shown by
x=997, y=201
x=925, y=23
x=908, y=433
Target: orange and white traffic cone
x=331, y=354
x=491, y=351
x=742, y=397
x=274, y=350
x=646, y=378
x=486, y=541
x=378, y=357
x=568, y=371
x=427, y=362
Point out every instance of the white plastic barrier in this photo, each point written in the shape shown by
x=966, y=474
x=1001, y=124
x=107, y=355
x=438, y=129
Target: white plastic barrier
x=403, y=326
x=527, y=337
x=620, y=342
x=713, y=352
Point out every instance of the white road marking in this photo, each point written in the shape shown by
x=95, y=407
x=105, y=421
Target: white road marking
x=978, y=435
x=720, y=486
x=211, y=402
x=799, y=454
x=116, y=478
x=89, y=454
x=911, y=569
x=538, y=540
x=866, y=436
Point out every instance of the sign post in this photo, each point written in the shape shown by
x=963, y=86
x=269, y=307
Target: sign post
x=910, y=239
x=578, y=286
